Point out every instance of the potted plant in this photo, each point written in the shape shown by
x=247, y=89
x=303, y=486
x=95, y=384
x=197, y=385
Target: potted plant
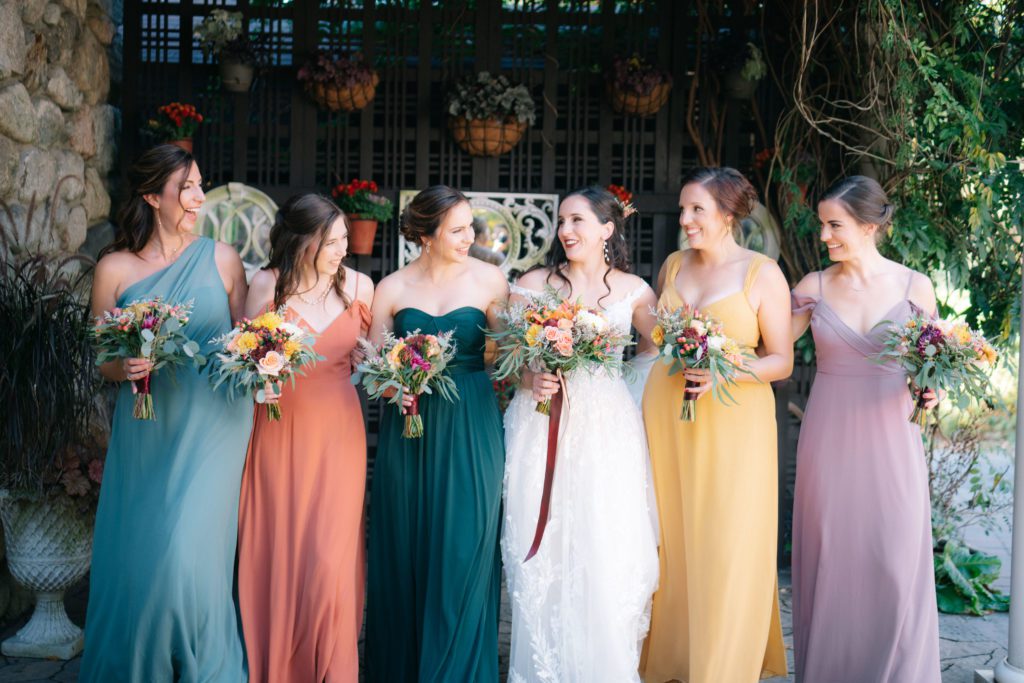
x=52, y=446
x=637, y=87
x=489, y=114
x=365, y=208
x=345, y=82
x=741, y=80
x=220, y=34
x=175, y=123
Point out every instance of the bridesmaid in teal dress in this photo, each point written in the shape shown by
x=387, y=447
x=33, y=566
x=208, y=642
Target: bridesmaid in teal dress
x=160, y=596
x=434, y=568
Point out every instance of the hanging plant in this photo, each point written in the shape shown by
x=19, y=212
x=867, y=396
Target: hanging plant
x=637, y=87
x=489, y=114
x=346, y=82
x=221, y=35
x=741, y=80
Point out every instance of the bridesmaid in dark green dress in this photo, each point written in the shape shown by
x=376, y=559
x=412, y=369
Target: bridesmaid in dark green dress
x=434, y=568
x=160, y=592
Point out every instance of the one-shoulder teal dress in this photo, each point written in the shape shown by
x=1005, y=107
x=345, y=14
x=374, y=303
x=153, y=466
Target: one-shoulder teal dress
x=161, y=604
x=434, y=568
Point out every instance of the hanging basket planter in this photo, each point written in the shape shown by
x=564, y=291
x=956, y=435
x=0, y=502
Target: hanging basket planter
x=345, y=83
x=633, y=104
x=486, y=137
x=345, y=98
x=489, y=114
x=638, y=88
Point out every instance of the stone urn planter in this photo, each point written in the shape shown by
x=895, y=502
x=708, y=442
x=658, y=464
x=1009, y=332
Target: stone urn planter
x=486, y=137
x=236, y=76
x=362, y=232
x=185, y=144
x=49, y=548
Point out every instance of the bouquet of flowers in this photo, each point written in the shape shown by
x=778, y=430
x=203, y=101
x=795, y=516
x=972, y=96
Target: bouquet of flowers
x=264, y=350
x=941, y=355
x=413, y=364
x=553, y=334
x=687, y=338
x=359, y=199
x=150, y=329
x=175, y=121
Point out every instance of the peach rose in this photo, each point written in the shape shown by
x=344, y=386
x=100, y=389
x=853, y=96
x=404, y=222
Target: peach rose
x=271, y=364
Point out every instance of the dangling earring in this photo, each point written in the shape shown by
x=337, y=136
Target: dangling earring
x=427, y=248
x=607, y=259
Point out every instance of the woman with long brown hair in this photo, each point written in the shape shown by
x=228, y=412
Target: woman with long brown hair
x=160, y=592
x=300, y=573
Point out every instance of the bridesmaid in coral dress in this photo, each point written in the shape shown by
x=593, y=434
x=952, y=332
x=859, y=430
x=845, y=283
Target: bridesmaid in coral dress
x=301, y=557
x=863, y=584
x=715, y=616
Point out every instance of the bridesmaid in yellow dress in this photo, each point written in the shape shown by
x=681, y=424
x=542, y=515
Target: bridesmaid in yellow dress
x=715, y=616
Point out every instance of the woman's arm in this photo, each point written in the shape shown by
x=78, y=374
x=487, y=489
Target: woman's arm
x=232, y=274
x=775, y=320
x=261, y=293
x=807, y=287
x=644, y=321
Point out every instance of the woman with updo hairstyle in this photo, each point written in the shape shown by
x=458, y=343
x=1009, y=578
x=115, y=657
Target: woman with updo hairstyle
x=435, y=507
x=716, y=612
x=300, y=538
x=580, y=604
x=160, y=593
x=864, y=606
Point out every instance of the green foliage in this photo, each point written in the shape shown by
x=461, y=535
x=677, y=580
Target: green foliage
x=962, y=581
x=928, y=98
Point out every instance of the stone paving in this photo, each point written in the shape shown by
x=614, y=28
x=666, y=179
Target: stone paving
x=967, y=643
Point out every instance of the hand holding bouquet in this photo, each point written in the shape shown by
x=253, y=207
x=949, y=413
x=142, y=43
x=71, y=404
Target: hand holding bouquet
x=687, y=338
x=940, y=355
x=553, y=334
x=264, y=350
x=150, y=329
x=413, y=365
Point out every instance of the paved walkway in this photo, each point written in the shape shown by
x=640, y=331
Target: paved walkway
x=967, y=643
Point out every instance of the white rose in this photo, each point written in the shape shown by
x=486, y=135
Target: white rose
x=592, y=320
x=715, y=342
x=699, y=326
x=294, y=331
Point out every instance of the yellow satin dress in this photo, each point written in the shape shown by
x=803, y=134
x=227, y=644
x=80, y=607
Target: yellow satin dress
x=715, y=616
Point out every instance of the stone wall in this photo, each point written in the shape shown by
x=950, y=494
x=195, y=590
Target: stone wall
x=54, y=117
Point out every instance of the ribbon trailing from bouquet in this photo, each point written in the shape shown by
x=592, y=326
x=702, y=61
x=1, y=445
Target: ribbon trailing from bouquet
x=554, y=424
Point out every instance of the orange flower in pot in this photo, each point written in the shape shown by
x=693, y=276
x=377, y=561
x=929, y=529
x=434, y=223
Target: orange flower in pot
x=365, y=208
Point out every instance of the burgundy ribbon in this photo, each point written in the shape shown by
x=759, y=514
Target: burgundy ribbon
x=554, y=422
x=142, y=385
x=414, y=409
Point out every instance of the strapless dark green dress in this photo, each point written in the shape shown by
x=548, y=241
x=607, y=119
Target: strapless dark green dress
x=434, y=568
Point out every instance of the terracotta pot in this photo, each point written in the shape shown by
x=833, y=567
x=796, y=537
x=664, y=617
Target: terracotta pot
x=362, y=232
x=333, y=97
x=486, y=137
x=639, y=105
x=236, y=76
x=184, y=143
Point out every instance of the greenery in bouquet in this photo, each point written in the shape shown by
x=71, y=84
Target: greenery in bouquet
x=939, y=354
x=637, y=76
x=491, y=97
x=360, y=199
x=413, y=365
x=551, y=334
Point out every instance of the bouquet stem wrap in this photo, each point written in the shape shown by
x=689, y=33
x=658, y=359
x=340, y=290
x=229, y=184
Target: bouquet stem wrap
x=555, y=403
x=143, y=400
x=689, y=411
x=920, y=414
x=413, y=420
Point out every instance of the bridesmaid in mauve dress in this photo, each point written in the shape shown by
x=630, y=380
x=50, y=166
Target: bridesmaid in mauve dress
x=300, y=537
x=434, y=577
x=864, y=608
x=160, y=591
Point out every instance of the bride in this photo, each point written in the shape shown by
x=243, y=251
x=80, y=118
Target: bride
x=581, y=605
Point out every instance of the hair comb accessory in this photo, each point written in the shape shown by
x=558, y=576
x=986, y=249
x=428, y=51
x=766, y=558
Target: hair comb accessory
x=624, y=198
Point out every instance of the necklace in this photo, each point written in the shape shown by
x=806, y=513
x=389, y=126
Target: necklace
x=319, y=300
x=173, y=255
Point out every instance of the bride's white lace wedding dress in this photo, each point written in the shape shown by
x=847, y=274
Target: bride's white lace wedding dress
x=581, y=605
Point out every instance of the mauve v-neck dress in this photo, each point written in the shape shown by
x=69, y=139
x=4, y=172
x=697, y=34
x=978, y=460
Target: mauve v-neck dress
x=864, y=608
